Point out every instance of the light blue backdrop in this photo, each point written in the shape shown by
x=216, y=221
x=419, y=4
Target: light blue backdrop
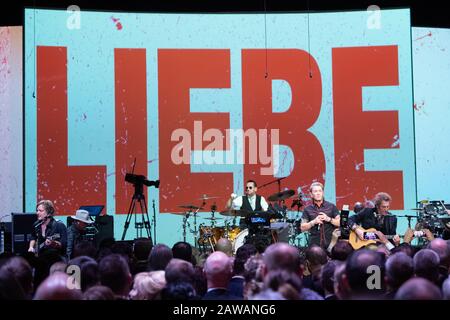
x=91, y=83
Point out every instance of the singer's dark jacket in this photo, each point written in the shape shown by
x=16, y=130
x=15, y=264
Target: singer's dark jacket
x=54, y=227
x=369, y=218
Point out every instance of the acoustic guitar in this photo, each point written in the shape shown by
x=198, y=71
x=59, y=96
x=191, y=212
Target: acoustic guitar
x=369, y=238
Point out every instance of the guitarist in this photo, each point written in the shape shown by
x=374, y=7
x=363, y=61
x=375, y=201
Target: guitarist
x=49, y=233
x=77, y=232
x=378, y=218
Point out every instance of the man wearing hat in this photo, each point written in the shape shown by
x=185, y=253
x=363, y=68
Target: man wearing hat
x=77, y=230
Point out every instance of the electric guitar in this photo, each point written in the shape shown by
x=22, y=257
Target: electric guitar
x=54, y=237
x=369, y=238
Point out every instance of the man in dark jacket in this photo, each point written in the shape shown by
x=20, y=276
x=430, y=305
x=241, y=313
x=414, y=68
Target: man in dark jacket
x=78, y=230
x=218, y=271
x=378, y=218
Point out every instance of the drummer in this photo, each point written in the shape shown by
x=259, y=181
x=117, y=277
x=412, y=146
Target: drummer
x=250, y=202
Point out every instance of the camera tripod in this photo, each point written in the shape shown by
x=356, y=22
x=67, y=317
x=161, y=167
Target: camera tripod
x=138, y=197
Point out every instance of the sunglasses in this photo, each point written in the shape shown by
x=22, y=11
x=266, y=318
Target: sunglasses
x=248, y=188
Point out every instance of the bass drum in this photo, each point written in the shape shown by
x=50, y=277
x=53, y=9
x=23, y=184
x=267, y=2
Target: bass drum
x=239, y=241
x=232, y=233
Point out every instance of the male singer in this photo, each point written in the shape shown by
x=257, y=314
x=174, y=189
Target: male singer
x=320, y=218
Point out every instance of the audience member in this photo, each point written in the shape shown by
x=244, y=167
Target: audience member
x=160, y=257
x=98, y=293
x=182, y=250
x=115, y=274
x=141, y=252
x=399, y=269
x=56, y=287
x=364, y=272
x=88, y=268
x=426, y=265
x=148, y=285
x=236, y=284
x=23, y=273
x=218, y=271
x=225, y=246
x=418, y=289
x=341, y=250
x=327, y=279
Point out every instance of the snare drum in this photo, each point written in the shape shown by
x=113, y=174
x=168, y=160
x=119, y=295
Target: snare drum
x=239, y=241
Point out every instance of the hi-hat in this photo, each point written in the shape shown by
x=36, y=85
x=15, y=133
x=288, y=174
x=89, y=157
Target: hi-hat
x=212, y=218
x=283, y=195
x=189, y=206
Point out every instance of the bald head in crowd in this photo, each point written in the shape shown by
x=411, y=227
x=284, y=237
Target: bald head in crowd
x=218, y=270
x=281, y=256
x=225, y=246
x=418, y=289
x=57, y=287
x=442, y=248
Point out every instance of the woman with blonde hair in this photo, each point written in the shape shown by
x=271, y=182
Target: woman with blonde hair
x=148, y=285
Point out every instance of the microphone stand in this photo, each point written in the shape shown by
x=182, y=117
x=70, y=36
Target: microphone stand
x=409, y=217
x=37, y=231
x=195, y=222
x=185, y=223
x=278, y=181
x=154, y=222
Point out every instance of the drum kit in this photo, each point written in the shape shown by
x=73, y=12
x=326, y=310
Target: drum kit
x=434, y=216
x=281, y=224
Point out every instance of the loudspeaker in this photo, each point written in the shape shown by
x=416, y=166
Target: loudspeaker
x=105, y=226
x=22, y=229
x=345, y=230
x=5, y=237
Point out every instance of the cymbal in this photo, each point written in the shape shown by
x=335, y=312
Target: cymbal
x=183, y=213
x=189, y=206
x=283, y=195
x=213, y=218
x=417, y=209
x=205, y=197
x=235, y=213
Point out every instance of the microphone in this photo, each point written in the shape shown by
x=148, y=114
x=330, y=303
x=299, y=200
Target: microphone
x=38, y=224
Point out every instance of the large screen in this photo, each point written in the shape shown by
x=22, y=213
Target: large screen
x=11, y=186
x=204, y=102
